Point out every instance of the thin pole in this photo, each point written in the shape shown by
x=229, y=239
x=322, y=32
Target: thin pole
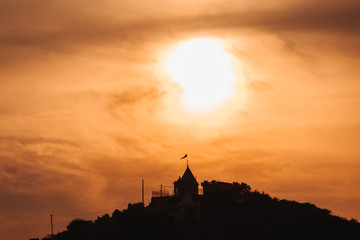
x=143, y=192
x=52, y=227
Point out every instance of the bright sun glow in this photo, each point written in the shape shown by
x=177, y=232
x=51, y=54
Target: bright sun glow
x=205, y=72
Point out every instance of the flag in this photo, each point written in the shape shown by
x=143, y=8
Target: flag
x=184, y=156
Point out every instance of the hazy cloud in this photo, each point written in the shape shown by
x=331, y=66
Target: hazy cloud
x=51, y=27
x=86, y=111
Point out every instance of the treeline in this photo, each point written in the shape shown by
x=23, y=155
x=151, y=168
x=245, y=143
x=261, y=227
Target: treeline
x=255, y=215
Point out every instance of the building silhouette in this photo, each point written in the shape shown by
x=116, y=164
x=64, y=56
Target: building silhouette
x=186, y=200
x=186, y=184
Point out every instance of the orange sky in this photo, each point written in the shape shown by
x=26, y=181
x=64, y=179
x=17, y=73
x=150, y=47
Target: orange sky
x=86, y=110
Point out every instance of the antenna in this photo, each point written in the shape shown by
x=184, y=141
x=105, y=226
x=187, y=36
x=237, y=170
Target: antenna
x=142, y=191
x=52, y=227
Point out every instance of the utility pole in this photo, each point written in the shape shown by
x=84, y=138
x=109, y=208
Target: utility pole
x=142, y=191
x=52, y=227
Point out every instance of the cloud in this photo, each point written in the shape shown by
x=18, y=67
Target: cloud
x=35, y=31
x=85, y=116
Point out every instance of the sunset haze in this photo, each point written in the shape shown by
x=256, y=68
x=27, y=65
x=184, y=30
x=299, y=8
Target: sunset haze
x=88, y=108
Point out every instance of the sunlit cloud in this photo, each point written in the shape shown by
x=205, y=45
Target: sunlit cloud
x=87, y=109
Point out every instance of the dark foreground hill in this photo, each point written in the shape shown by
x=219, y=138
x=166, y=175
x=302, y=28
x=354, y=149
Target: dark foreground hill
x=255, y=216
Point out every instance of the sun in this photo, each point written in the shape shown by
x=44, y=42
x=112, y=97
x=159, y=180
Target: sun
x=204, y=70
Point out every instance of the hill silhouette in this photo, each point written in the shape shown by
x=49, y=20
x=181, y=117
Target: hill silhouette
x=244, y=214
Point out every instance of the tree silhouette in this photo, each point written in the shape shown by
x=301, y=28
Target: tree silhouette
x=245, y=214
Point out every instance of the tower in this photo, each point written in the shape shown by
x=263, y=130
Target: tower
x=186, y=184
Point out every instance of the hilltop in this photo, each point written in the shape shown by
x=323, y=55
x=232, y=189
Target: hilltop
x=257, y=216
x=223, y=211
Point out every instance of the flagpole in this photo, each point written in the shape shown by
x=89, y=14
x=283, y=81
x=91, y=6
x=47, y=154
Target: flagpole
x=187, y=161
